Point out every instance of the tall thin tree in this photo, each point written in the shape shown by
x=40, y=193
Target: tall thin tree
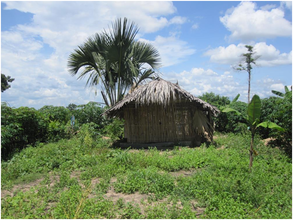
x=249, y=60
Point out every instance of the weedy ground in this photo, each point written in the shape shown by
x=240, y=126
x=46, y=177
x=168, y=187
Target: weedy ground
x=88, y=179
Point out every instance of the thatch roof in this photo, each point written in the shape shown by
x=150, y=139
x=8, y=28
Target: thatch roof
x=160, y=92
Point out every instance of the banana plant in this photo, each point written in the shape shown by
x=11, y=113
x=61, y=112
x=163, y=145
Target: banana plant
x=253, y=121
x=280, y=94
x=227, y=108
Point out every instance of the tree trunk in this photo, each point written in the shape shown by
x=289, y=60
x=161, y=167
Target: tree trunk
x=249, y=78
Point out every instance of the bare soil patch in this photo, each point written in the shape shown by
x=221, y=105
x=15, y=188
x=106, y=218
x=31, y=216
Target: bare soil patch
x=221, y=148
x=184, y=173
x=136, y=198
x=21, y=187
x=267, y=141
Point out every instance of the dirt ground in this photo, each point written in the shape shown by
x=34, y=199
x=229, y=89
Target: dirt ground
x=136, y=198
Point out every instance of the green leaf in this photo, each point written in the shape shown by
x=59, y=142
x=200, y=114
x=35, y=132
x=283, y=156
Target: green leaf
x=227, y=109
x=236, y=98
x=278, y=93
x=271, y=125
x=253, y=110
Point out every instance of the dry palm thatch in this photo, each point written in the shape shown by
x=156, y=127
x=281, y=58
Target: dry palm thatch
x=159, y=92
x=202, y=124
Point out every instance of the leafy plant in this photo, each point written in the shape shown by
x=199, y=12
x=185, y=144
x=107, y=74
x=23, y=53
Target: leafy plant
x=114, y=130
x=20, y=127
x=5, y=80
x=90, y=112
x=253, y=120
x=114, y=59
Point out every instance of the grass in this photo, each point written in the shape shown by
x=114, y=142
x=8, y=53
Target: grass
x=73, y=179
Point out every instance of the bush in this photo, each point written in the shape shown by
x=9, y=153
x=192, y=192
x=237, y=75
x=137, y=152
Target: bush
x=55, y=113
x=91, y=112
x=236, y=123
x=88, y=135
x=279, y=111
x=227, y=122
x=26, y=126
x=58, y=117
x=114, y=129
x=20, y=127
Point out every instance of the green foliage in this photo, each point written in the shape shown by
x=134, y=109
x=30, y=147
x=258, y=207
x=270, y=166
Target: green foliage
x=279, y=111
x=55, y=113
x=227, y=122
x=5, y=80
x=253, y=121
x=215, y=100
x=91, y=112
x=115, y=60
x=254, y=110
x=131, y=211
x=20, y=127
x=24, y=205
x=236, y=123
x=214, y=179
x=26, y=126
x=115, y=129
x=58, y=117
x=270, y=125
x=88, y=135
x=145, y=181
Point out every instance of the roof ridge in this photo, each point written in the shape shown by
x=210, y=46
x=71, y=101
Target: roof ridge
x=159, y=91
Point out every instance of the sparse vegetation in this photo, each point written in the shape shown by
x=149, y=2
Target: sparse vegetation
x=74, y=179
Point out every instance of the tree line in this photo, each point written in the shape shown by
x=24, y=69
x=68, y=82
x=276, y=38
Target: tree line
x=25, y=126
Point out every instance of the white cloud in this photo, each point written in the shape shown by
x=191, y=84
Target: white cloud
x=171, y=49
x=277, y=87
x=269, y=55
x=195, y=26
x=246, y=22
x=178, y=20
x=199, y=81
x=42, y=78
x=286, y=4
x=265, y=86
x=226, y=55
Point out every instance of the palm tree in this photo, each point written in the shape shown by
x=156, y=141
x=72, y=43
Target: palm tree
x=115, y=59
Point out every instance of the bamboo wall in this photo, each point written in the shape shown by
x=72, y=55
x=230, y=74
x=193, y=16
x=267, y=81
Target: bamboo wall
x=154, y=123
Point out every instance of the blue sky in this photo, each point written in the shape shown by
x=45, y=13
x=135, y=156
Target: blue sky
x=199, y=43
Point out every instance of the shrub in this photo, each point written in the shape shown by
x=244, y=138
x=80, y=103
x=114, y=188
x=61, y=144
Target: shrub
x=91, y=112
x=115, y=129
x=58, y=117
x=20, y=127
x=279, y=111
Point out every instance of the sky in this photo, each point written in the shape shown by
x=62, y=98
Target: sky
x=200, y=44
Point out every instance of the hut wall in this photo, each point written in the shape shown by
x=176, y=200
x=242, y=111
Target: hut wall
x=155, y=123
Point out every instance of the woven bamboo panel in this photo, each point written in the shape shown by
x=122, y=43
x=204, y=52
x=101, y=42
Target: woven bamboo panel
x=155, y=123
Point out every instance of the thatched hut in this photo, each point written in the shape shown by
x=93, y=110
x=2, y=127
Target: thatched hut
x=161, y=111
